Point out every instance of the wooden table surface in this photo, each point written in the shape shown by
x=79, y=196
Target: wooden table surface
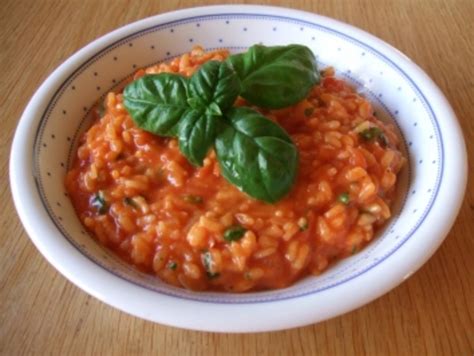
x=41, y=312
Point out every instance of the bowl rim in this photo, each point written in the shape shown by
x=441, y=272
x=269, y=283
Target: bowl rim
x=208, y=316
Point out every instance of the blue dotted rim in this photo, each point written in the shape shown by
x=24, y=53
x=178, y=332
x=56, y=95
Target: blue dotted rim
x=259, y=297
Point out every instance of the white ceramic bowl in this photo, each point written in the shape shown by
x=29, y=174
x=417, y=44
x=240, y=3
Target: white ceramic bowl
x=430, y=192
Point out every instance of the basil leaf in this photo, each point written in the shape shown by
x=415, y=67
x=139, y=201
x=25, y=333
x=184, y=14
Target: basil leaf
x=193, y=199
x=275, y=77
x=214, y=85
x=197, y=131
x=157, y=102
x=256, y=155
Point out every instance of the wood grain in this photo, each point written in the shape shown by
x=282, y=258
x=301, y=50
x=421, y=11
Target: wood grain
x=41, y=312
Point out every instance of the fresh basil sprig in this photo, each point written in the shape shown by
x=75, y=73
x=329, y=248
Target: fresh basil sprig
x=171, y=105
x=254, y=153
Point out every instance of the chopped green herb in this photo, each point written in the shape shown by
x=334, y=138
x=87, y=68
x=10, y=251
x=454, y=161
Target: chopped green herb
x=206, y=258
x=354, y=249
x=98, y=202
x=344, y=198
x=130, y=201
x=172, y=265
x=193, y=199
x=234, y=233
x=383, y=140
x=248, y=276
x=374, y=133
x=308, y=112
x=370, y=133
x=303, y=224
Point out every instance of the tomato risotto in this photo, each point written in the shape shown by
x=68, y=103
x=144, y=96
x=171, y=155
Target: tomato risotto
x=140, y=197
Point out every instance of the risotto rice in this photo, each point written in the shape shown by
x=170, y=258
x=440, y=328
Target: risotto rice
x=138, y=195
